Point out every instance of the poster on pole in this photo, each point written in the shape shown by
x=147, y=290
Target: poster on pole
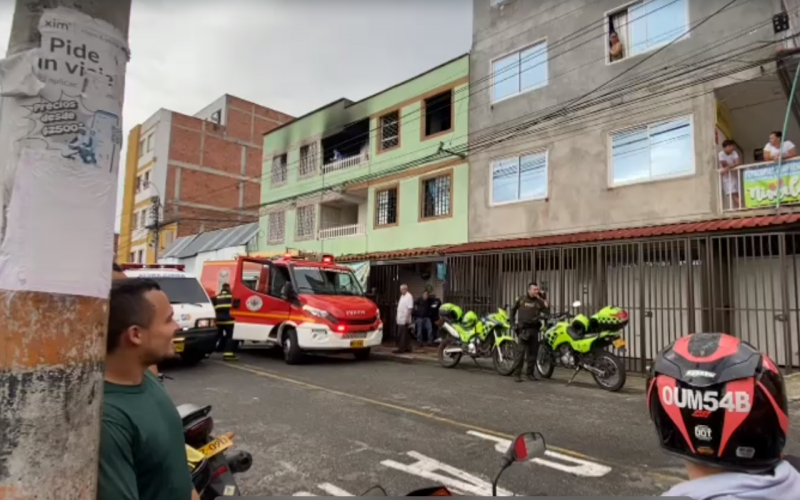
x=62, y=133
x=763, y=187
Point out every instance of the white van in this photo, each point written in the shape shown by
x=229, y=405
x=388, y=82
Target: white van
x=194, y=311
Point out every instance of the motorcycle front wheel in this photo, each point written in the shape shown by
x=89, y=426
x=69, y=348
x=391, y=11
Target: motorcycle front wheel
x=544, y=362
x=448, y=360
x=614, y=379
x=506, y=366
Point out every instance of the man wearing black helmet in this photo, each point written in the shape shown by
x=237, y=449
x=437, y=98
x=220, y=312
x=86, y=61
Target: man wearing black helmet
x=721, y=405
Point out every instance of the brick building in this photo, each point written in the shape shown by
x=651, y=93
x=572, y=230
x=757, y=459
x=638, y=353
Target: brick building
x=204, y=171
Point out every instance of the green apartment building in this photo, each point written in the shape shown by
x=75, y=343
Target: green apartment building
x=373, y=177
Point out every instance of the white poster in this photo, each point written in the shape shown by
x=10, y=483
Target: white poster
x=60, y=145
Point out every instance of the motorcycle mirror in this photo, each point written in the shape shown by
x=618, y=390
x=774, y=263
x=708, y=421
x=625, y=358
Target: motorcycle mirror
x=577, y=303
x=526, y=447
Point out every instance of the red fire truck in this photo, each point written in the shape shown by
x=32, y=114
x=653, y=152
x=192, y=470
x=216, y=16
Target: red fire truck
x=299, y=304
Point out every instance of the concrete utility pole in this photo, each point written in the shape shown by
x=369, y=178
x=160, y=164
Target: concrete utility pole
x=62, y=84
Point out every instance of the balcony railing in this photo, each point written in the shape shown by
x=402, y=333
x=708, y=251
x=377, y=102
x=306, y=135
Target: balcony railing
x=351, y=161
x=760, y=185
x=342, y=231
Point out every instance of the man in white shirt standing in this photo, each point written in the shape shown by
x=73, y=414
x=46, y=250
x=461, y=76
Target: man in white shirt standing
x=404, y=307
x=773, y=150
x=729, y=159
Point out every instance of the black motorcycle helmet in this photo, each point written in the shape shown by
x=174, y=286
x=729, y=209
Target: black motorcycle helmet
x=718, y=401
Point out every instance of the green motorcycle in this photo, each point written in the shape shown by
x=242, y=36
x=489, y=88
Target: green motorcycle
x=487, y=337
x=580, y=343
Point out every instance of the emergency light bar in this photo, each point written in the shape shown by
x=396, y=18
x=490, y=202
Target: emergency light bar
x=177, y=267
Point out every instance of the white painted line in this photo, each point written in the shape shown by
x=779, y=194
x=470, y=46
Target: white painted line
x=334, y=491
x=458, y=481
x=303, y=494
x=578, y=467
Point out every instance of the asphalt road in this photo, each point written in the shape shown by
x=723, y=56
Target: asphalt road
x=337, y=427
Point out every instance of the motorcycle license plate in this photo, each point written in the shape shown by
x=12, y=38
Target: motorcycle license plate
x=356, y=343
x=179, y=346
x=620, y=343
x=218, y=445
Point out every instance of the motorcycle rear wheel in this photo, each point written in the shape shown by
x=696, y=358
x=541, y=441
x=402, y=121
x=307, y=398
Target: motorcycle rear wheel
x=608, y=360
x=544, y=362
x=448, y=360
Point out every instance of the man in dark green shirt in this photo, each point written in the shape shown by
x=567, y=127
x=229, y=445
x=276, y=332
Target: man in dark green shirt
x=142, y=452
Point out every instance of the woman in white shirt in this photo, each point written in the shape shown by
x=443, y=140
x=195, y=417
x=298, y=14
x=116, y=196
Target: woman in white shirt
x=773, y=150
x=729, y=159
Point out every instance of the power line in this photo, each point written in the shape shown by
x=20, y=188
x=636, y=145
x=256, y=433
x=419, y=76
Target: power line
x=431, y=158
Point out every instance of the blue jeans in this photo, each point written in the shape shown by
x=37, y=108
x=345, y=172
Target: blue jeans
x=424, y=325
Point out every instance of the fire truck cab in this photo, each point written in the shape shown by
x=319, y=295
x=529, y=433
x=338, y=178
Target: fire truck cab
x=303, y=305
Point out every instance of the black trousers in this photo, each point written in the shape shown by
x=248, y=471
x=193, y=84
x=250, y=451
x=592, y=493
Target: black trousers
x=403, y=338
x=226, y=342
x=527, y=349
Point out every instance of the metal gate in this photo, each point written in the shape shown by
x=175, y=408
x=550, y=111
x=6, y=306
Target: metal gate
x=384, y=281
x=745, y=285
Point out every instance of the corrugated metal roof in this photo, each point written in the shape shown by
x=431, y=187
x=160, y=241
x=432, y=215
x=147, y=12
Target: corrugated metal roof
x=717, y=225
x=624, y=234
x=399, y=254
x=189, y=246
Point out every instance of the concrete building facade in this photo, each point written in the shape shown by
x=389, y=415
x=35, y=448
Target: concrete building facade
x=377, y=175
x=628, y=142
x=205, y=170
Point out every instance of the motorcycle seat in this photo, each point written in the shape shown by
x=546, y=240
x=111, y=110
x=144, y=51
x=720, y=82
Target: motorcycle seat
x=577, y=335
x=190, y=412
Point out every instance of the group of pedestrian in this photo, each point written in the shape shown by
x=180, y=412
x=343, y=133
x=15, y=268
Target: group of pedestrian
x=730, y=160
x=422, y=313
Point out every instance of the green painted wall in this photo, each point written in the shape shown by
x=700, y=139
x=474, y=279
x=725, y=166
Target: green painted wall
x=410, y=233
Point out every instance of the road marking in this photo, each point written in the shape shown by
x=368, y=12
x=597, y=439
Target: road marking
x=459, y=481
x=580, y=467
x=669, y=478
x=334, y=491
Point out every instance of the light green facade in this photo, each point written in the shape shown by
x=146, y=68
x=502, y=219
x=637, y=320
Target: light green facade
x=357, y=185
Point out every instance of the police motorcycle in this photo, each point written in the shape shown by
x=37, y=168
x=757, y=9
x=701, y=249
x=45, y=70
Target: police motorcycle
x=527, y=446
x=488, y=337
x=212, y=471
x=579, y=343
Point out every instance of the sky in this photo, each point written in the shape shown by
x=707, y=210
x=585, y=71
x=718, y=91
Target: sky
x=290, y=55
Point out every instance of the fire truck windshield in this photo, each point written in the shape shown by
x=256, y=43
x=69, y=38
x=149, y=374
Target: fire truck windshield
x=318, y=281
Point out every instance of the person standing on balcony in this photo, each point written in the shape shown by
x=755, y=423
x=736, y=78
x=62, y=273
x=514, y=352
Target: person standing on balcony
x=405, y=306
x=773, y=151
x=729, y=159
x=422, y=319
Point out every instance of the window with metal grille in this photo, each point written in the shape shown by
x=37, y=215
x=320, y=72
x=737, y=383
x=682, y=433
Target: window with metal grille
x=436, y=196
x=386, y=207
x=304, y=225
x=279, y=169
x=308, y=159
x=390, y=130
x=277, y=227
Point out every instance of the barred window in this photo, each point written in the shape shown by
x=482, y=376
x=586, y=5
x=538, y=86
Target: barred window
x=390, y=130
x=304, y=226
x=279, y=169
x=436, y=196
x=386, y=207
x=277, y=227
x=308, y=159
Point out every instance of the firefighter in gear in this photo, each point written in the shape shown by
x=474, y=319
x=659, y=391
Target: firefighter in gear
x=530, y=307
x=222, y=306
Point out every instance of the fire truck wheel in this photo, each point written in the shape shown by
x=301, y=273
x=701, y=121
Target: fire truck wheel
x=292, y=353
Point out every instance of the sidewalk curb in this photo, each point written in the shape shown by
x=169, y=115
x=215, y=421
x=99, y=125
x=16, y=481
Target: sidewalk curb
x=384, y=356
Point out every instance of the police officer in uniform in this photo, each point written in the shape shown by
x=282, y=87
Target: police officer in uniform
x=529, y=307
x=222, y=306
